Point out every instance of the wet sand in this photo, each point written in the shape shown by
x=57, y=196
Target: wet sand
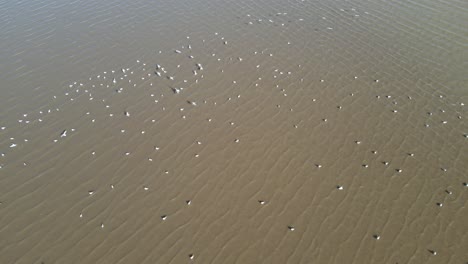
x=246, y=132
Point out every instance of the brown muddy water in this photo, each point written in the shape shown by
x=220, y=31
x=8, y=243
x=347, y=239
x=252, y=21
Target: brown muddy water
x=234, y=131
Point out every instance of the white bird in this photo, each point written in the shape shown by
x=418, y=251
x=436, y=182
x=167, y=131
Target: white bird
x=64, y=133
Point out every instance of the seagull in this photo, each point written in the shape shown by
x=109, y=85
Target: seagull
x=163, y=217
x=176, y=90
x=339, y=187
x=64, y=133
x=291, y=228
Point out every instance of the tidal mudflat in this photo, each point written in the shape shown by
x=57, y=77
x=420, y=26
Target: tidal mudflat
x=234, y=132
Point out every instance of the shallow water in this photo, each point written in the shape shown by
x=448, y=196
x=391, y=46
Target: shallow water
x=312, y=132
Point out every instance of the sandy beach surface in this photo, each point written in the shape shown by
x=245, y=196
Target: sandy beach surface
x=233, y=131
